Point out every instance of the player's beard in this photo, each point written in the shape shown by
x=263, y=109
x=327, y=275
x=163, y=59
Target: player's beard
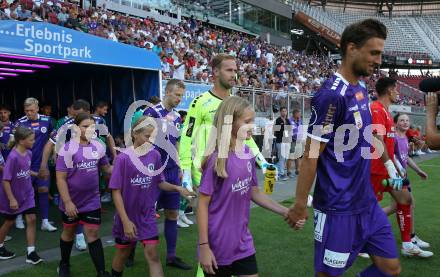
x=225, y=83
x=359, y=71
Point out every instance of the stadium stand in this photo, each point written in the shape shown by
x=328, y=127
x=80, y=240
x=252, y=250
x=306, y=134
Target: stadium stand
x=421, y=34
x=185, y=48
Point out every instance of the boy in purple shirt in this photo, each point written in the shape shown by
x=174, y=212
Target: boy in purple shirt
x=136, y=182
x=229, y=183
x=348, y=219
x=42, y=127
x=17, y=193
x=77, y=170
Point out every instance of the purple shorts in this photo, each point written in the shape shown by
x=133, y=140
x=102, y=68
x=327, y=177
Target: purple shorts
x=340, y=238
x=170, y=200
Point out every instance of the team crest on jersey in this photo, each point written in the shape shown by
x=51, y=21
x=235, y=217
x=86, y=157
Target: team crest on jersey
x=150, y=167
x=359, y=95
x=249, y=167
x=43, y=130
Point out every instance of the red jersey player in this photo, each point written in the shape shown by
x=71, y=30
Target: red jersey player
x=387, y=167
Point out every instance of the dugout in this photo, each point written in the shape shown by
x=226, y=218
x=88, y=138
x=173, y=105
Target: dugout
x=57, y=65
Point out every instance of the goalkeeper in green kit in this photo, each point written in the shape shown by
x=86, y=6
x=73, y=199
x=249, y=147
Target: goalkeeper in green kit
x=200, y=118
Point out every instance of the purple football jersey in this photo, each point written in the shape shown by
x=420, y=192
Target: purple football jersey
x=401, y=149
x=168, y=129
x=42, y=128
x=228, y=212
x=139, y=189
x=82, y=162
x=17, y=171
x=343, y=177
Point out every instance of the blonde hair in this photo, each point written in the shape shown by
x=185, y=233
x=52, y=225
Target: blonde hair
x=218, y=59
x=139, y=126
x=30, y=101
x=231, y=109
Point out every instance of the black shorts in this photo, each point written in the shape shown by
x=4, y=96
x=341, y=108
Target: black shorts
x=90, y=219
x=245, y=266
x=121, y=244
x=14, y=216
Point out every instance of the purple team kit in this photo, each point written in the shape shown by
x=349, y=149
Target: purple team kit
x=17, y=171
x=82, y=168
x=139, y=193
x=348, y=219
x=42, y=128
x=229, y=236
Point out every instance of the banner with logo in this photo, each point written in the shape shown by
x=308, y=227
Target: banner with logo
x=49, y=41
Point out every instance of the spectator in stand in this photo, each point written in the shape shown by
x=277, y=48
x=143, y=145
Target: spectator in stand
x=282, y=142
x=296, y=148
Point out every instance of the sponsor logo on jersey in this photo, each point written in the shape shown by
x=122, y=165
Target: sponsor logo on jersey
x=35, y=124
x=335, y=259
x=87, y=165
x=143, y=181
x=242, y=186
x=23, y=174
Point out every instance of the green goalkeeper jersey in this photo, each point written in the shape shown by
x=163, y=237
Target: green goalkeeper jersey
x=195, y=133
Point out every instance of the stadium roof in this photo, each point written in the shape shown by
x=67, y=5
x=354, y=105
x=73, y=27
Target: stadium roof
x=397, y=6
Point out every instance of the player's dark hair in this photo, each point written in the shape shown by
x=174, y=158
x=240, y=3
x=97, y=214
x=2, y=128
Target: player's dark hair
x=359, y=32
x=6, y=107
x=295, y=111
x=383, y=84
x=182, y=113
x=283, y=108
x=20, y=133
x=81, y=104
x=101, y=104
x=154, y=100
x=83, y=116
x=396, y=117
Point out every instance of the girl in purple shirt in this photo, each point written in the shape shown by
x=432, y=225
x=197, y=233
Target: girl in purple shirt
x=401, y=150
x=17, y=193
x=136, y=182
x=228, y=184
x=77, y=171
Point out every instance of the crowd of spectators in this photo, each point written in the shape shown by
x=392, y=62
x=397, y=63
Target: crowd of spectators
x=185, y=49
